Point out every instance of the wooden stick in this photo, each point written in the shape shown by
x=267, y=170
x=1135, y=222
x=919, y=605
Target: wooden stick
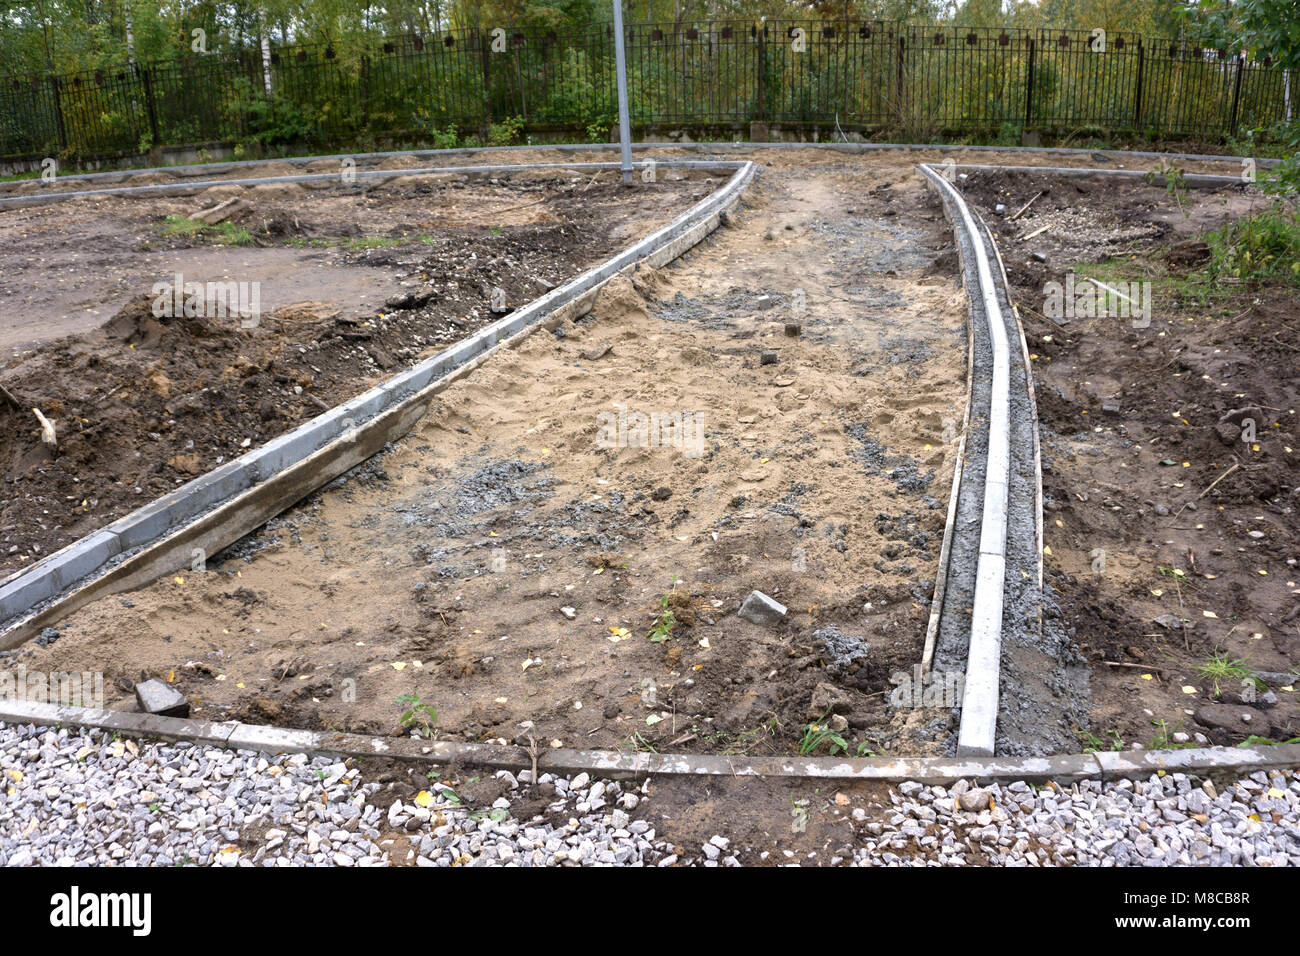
x=47, y=430
x=9, y=399
x=1025, y=206
x=1234, y=467
x=1034, y=233
x=1141, y=667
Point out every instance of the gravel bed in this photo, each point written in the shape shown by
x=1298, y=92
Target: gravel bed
x=74, y=797
x=77, y=797
x=1170, y=820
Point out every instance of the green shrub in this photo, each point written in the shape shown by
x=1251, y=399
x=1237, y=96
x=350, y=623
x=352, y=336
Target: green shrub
x=506, y=133
x=1263, y=246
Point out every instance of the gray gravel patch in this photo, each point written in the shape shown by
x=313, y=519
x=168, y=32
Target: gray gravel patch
x=1172, y=820
x=76, y=797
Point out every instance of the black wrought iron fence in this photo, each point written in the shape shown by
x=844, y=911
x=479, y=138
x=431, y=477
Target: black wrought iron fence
x=876, y=77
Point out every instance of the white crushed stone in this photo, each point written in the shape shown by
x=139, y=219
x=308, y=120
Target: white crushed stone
x=83, y=797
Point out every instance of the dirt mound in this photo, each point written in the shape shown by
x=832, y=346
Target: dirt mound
x=143, y=323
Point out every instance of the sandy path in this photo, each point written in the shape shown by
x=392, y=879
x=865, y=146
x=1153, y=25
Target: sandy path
x=823, y=481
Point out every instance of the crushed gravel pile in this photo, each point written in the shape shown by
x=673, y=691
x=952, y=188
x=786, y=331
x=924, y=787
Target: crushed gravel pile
x=74, y=797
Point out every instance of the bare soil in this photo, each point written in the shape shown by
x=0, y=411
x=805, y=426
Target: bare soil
x=354, y=285
x=390, y=582
x=444, y=567
x=1144, y=460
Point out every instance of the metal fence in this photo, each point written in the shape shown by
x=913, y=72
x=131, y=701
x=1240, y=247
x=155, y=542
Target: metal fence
x=875, y=77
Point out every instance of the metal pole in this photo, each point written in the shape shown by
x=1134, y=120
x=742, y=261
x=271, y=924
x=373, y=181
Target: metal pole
x=620, y=65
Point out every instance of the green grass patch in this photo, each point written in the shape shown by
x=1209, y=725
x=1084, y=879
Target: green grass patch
x=1221, y=669
x=1263, y=247
x=223, y=233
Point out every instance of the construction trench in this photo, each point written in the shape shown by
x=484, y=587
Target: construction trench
x=829, y=347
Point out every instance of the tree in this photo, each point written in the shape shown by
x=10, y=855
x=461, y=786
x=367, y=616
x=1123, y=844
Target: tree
x=1264, y=27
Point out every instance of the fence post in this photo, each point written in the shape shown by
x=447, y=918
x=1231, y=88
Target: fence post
x=365, y=92
x=58, y=114
x=898, y=79
x=147, y=83
x=1137, y=98
x=760, y=77
x=1029, y=87
x=1236, y=97
x=485, y=43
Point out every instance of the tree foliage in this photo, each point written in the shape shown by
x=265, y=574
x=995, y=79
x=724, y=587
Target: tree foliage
x=66, y=35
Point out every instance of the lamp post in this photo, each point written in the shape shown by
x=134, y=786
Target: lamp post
x=620, y=65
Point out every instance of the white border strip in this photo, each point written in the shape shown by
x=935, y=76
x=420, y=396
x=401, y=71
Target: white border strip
x=979, y=711
x=1063, y=768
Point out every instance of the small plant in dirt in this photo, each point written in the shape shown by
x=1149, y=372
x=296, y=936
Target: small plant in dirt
x=1254, y=740
x=674, y=611
x=819, y=733
x=418, y=716
x=1164, y=738
x=1093, y=744
x=662, y=628
x=1175, y=184
x=606, y=561
x=637, y=743
x=1221, y=669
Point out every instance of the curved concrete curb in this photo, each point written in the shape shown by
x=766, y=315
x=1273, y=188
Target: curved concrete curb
x=1033, y=404
x=979, y=709
x=942, y=771
x=195, y=169
x=218, y=508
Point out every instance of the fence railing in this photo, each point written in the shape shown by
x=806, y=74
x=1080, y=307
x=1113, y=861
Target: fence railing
x=874, y=77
